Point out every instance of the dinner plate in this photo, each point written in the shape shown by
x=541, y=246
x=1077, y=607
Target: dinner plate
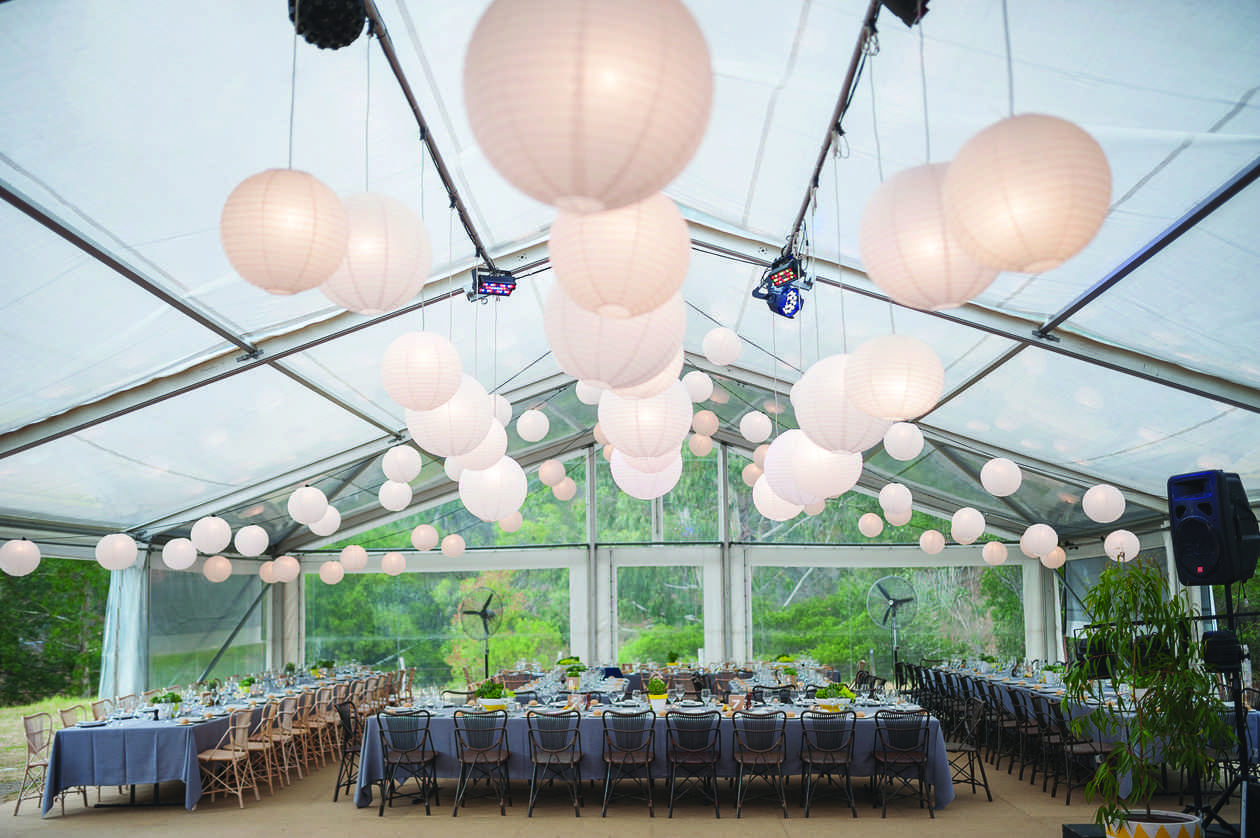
x=91, y=723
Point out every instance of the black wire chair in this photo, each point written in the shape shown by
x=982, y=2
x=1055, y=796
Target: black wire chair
x=408, y=752
x=629, y=749
x=481, y=749
x=692, y=750
x=964, y=753
x=555, y=753
x=351, y=744
x=901, y=756
x=759, y=747
x=826, y=753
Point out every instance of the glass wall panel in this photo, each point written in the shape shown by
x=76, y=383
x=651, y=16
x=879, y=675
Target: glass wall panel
x=690, y=508
x=660, y=614
x=190, y=618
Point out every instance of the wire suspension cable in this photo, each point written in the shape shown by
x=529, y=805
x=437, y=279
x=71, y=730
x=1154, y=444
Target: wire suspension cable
x=297, y=11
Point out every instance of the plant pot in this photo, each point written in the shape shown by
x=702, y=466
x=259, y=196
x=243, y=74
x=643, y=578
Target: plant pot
x=658, y=703
x=1161, y=824
x=493, y=703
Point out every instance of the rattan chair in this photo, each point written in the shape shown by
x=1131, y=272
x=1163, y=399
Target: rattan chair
x=407, y=750
x=629, y=750
x=127, y=703
x=692, y=750
x=72, y=715
x=101, y=708
x=759, y=747
x=555, y=754
x=38, y=728
x=262, y=747
x=227, y=767
x=826, y=753
x=901, y=756
x=285, y=735
x=481, y=749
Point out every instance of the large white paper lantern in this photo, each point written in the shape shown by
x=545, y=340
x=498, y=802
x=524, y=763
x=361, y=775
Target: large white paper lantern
x=907, y=247
x=453, y=546
x=825, y=474
x=657, y=383
x=894, y=377
x=825, y=412
x=331, y=572
x=932, y=542
x=895, y=498
x=780, y=468
x=993, y=553
x=612, y=352
x=421, y=370
x=770, y=505
x=551, y=472
x=815, y=508
x=424, y=537
x=19, y=557
x=495, y=492
x=588, y=104
x=646, y=427
x=489, y=451
x=588, y=393
x=533, y=425
x=251, y=540
x=598, y=433
x=750, y=473
x=623, y=261
x=644, y=485
x=966, y=525
x=388, y=256
x=284, y=231
x=453, y=468
x=565, y=490
x=1055, y=558
x=393, y=563
x=1027, y=193
x=700, y=445
x=329, y=523
x=353, y=558
x=512, y=522
x=721, y=346
x=704, y=422
x=179, y=554
x=286, y=569
x=699, y=385
x=1103, y=503
x=211, y=534
x=455, y=427
x=755, y=426
x=217, y=568
x=402, y=463
x=267, y=572
x=1121, y=546
x=1001, y=477
x=870, y=525
x=903, y=441
x=1038, y=540
x=306, y=505
x=394, y=496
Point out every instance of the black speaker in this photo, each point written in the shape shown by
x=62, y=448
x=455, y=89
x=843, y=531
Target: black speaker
x=1214, y=533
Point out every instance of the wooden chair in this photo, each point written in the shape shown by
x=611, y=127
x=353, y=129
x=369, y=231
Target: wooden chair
x=39, y=735
x=127, y=703
x=759, y=746
x=262, y=747
x=286, y=737
x=629, y=740
x=72, y=715
x=826, y=753
x=227, y=767
x=306, y=727
x=101, y=708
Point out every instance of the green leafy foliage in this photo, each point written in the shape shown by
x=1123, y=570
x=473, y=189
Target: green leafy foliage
x=834, y=691
x=656, y=686
x=167, y=698
x=493, y=689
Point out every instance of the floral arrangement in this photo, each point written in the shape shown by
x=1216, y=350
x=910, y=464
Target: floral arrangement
x=835, y=691
x=166, y=698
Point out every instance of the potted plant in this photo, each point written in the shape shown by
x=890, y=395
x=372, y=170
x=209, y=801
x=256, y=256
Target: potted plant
x=573, y=674
x=492, y=695
x=833, y=696
x=247, y=684
x=656, y=694
x=1143, y=686
x=167, y=704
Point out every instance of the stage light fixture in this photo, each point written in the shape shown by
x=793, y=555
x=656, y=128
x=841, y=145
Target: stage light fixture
x=488, y=284
x=783, y=285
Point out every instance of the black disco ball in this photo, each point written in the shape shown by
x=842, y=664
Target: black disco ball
x=328, y=24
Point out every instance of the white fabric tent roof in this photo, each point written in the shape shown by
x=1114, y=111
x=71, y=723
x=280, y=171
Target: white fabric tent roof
x=146, y=384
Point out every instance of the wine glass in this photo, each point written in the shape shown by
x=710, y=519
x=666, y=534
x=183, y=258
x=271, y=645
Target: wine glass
x=706, y=695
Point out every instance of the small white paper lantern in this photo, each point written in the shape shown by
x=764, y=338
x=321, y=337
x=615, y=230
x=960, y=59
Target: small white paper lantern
x=286, y=569
x=251, y=540
x=1055, y=558
x=719, y=396
x=331, y=572
x=329, y=523
x=394, y=496
x=402, y=463
x=903, y=441
x=644, y=485
x=588, y=393
x=353, y=558
x=699, y=385
x=648, y=427
x=393, y=563
x=284, y=231
x=895, y=498
x=455, y=427
x=825, y=412
x=388, y=256
x=116, y=551
x=704, y=422
x=1103, y=503
x=750, y=473
x=453, y=546
x=894, y=377
x=993, y=553
x=870, y=525
x=211, y=534
x=501, y=409
x=453, y=468
x=622, y=262
x=179, y=554
x=424, y=537
x=721, y=346
x=551, y=472
x=19, y=557
x=1121, y=546
x=966, y=525
x=421, y=370
x=533, y=425
x=1027, y=193
x=306, y=505
x=495, y=492
x=267, y=572
x=598, y=433
x=700, y=445
x=815, y=508
x=512, y=522
x=217, y=568
x=771, y=505
x=588, y=105
x=1001, y=477
x=759, y=455
x=1038, y=540
x=899, y=519
x=755, y=426
x=565, y=490
x=932, y=542
x=489, y=451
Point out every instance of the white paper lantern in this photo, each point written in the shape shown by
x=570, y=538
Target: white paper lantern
x=551, y=472
x=588, y=105
x=699, y=385
x=1027, y=193
x=329, y=523
x=657, y=383
x=421, y=370
x=899, y=519
x=388, y=256
x=489, y=451
x=284, y=231
x=1001, y=477
x=870, y=525
x=907, y=248
x=1121, y=546
x=286, y=569
x=700, y=445
x=217, y=568
x=512, y=522
x=267, y=572
x=453, y=546
x=455, y=427
x=501, y=409
x=815, y=508
x=1055, y=558
x=780, y=467
x=612, y=352
x=424, y=537
x=608, y=452
x=393, y=563
x=211, y=534
x=1038, y=540
x=353, y=558
x=894, y=377
x=394, y=496
x=993, y=553
x=116, y=551
x=402, y=463
x=903, y=441
x=453, y=468
x=306, y=505
x=759, y=455
x=825, y=474
x=966, y=525
x=721, y=346
x=19, y=557
x=750, y=473
x=179, y=554
x=895, y=498
x=588, y=393
x=644, y=485
x=331, y=572
x=251, y=540
x=646, y=427
x=704, y=422
x=495, y=492
x=598, y=433
x=825, y=412
x=622, y=262
x=533, y=425
x=932, y=542
x=565, y=490
x=1103, y=503
x=719, y=396
x=770, y=505
x=755, y=426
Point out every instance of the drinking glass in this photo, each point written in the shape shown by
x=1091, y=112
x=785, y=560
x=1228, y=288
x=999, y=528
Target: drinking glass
x=706, y=695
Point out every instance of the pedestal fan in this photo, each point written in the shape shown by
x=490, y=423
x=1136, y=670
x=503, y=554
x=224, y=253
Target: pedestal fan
x=892, y=603
x=480, y=615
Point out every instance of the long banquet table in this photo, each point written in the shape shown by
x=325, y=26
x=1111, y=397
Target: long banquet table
x=442, y=730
